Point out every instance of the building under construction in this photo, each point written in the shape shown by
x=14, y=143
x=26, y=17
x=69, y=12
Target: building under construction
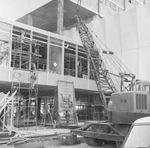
x=46, y=72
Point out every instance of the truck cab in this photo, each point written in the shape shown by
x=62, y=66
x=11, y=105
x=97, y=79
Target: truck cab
x=139, y=134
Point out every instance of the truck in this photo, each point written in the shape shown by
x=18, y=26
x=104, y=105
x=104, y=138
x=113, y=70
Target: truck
x=120, y=108
x=140, y=129
x=123, y=109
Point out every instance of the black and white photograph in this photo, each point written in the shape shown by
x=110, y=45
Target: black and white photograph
x=74, y=73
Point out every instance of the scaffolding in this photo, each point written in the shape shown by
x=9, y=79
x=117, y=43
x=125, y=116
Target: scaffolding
x=25, y=83
x=88, y=107
x=47, y=116
x=6, y=111
x=4, y=51
x=75, y=61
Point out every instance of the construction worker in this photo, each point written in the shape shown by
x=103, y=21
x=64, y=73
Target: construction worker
x=67, y=116
x=75, y=117
x=33, y=79
x=23, y=33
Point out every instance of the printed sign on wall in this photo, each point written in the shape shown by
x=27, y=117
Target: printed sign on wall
x=66, y=102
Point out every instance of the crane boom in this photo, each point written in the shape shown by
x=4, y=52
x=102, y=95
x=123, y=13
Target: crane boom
x=102, y=78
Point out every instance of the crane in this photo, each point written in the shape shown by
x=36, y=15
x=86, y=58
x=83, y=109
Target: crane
x=131, y=102
x=102, y=75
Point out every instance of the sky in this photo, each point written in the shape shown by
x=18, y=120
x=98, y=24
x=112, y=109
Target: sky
x=14, y=9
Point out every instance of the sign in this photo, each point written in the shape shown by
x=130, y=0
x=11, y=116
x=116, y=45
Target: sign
x=66, y=103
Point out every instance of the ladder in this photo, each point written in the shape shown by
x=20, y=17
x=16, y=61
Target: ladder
x=99, y=71
x=47, y=118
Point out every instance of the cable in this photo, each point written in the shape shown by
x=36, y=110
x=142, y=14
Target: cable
x=79, y=7
x=110, y=57
x=117, y=61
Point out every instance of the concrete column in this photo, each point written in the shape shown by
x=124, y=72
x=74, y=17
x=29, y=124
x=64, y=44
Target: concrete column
x=30, y=57
x=62, y=58
x=48, y=51
x=60, y=16
x=88, y=65
x=125, y=5
x=30, y=20
x=98, y=7
x=10, y=47
x=76, y=61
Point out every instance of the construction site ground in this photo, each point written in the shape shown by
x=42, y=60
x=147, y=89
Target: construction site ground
x=82, y=145
x=43, y=137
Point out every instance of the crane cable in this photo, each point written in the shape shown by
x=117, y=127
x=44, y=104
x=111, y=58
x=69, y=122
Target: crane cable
x=109, y=58
x=114, y=58
x=106, y=48
x=120, y=66
x=125, y=73
x=79, y=6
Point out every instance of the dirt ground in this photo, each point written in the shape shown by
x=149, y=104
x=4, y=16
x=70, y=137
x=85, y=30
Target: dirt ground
x=49, y=143
x=82, y=145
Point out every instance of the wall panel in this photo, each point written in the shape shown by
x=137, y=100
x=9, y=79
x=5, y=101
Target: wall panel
x=128, y=26
x=113, y=33
x=143, y=19
x=144, y=60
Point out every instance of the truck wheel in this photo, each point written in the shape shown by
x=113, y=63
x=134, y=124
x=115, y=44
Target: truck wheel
x=93, y=141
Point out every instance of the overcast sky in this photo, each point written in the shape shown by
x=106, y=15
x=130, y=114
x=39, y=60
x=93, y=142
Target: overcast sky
x=14, y=9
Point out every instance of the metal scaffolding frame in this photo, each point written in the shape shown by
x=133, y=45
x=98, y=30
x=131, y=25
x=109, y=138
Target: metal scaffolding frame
x=26, y=84
x=4, y=51
x=47, y=116
x=7, y=110
x=73, y=58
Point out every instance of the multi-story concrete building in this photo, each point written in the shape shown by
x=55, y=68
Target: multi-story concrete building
x=48, y=38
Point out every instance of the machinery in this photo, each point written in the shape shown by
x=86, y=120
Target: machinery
x=120, y=108
x=123, y=109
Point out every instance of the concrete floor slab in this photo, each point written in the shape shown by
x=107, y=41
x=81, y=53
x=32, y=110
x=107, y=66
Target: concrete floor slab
x=40, y=131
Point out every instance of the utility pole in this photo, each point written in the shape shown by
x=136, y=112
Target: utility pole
x=60, y=16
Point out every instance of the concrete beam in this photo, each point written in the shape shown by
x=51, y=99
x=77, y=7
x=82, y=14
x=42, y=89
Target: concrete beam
x=60, y=16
